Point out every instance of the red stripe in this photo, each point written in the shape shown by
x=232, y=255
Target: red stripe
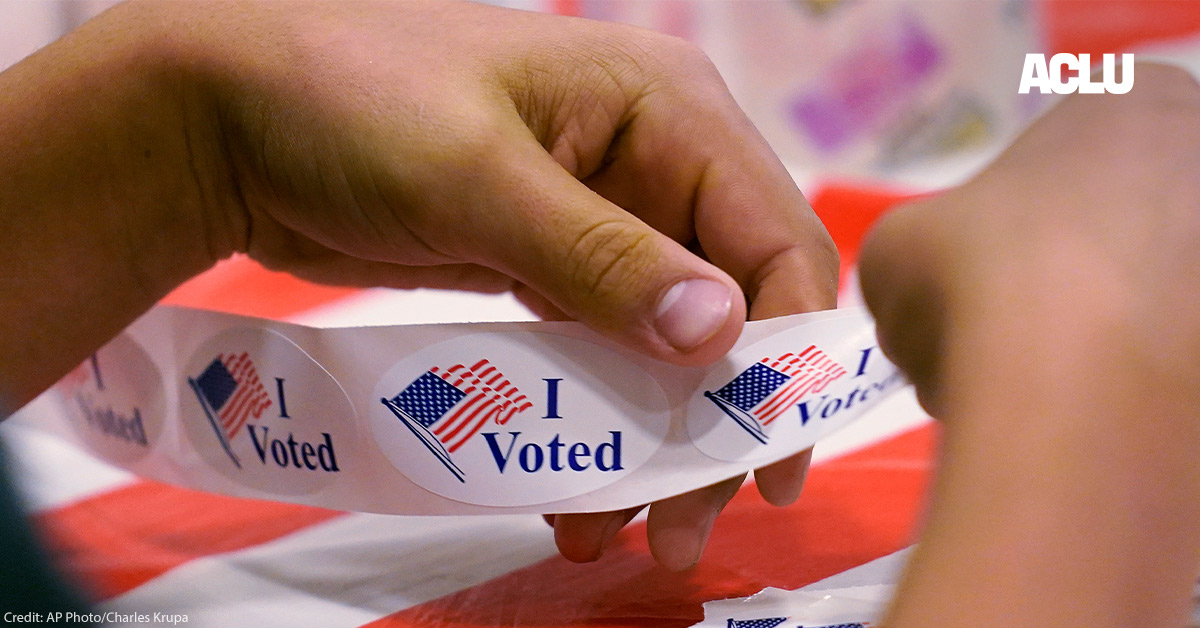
x=447, y=421
x=483, y=369
x=262, y=404
x=478, y=426
x=785, y=404
x=233, y=404
x=116, y=541
x=249, y=399
x=238, y=367
x=237, y=426
x=772, y=402
x=567, y=7
x=784, y=391
x=1105, y=26
x=854, y=509
x=465, y=421
x=794, y=366
x=513, y=411
x=848, y=211
x=787, y=357
x=240, y=286
x=774, y=408
x=239, y=362
x=782, y=403
x=457, y=382
x=229, y=414
x=452, y=422
x=827, y=381
x=773, y=364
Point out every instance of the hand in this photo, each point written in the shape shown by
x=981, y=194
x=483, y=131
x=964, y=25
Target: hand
x=601, y=172
x=1048, y=312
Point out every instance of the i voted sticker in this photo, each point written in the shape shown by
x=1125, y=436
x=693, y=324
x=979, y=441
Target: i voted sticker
x=264, y=413
x=517, y=419
x=794, y=387
x=116, y=398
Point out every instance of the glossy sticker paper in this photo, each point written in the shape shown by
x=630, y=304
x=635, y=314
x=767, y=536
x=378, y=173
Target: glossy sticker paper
x=460, y=418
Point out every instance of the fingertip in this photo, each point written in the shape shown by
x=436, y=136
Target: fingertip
x=781, y=483
x=578, y=538
x=699, y=319
x=679, y=549
x=693, y=311
x=678, y=528
x=678, y=537
x=584, y=537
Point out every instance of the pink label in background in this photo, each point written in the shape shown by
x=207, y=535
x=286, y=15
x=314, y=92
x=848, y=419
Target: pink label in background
x=865, y=89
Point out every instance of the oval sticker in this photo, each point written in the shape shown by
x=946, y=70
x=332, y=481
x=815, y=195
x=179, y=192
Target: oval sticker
x=789, y=390
x=512, y=420
x=116, y=401
x=262, y=412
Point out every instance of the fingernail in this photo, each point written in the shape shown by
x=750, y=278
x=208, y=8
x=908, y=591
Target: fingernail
x=680, y=548
x=693, y=311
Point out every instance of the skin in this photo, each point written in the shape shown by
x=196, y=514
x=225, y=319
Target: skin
x=1049, y=313
x=587, y=167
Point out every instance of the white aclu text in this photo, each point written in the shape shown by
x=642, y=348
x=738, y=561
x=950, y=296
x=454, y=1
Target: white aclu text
x=1066, y=73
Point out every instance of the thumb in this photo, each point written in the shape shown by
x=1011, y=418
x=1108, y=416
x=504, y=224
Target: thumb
x=598, y=263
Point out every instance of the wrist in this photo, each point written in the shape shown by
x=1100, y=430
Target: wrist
x=191, y=211
x=107, y=193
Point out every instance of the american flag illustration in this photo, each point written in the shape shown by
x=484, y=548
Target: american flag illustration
x=231, y=393
x=446, y=407
x=761, y=393
x=765, y=622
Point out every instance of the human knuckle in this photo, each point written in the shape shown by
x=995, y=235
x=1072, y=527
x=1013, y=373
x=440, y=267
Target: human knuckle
x=610, y=256
x=693, y=64
x=824, y=254
x=664, y=56
x=670, y=47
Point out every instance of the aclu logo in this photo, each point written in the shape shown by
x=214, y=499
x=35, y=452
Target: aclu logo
x=1066, y=73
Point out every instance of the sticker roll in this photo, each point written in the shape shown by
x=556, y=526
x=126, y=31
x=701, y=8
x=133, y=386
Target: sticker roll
x=545, y=417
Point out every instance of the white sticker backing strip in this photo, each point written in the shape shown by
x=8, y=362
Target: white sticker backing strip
x=459, y=418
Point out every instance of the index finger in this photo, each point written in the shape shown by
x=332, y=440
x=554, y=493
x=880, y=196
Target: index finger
x=690, y=163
